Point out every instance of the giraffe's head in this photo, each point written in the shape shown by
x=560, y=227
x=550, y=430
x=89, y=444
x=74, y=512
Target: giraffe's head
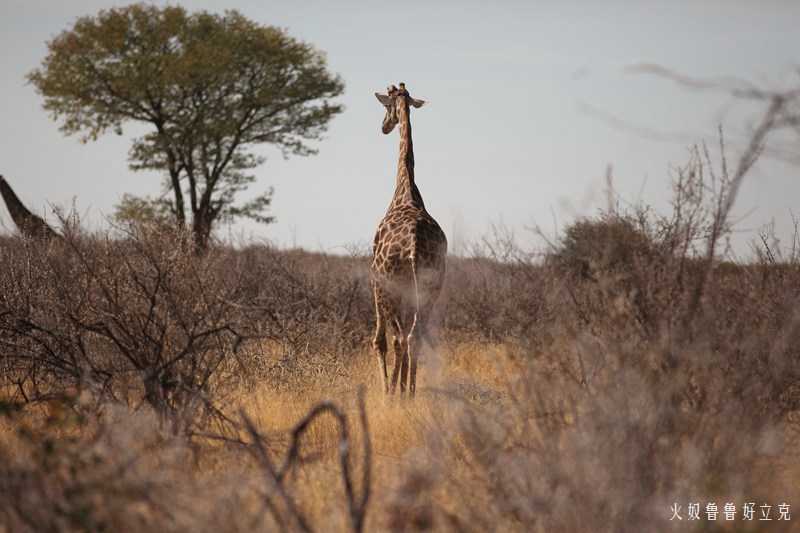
x=394, y=98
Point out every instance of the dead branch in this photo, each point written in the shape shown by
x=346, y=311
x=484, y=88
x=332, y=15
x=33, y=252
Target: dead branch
x=357, y=505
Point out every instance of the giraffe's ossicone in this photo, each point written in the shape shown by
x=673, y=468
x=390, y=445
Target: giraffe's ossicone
x=408, y=264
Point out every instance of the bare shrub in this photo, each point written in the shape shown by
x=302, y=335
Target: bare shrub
x=500, y=294
x=119, y=472
x=610, y=243
x=612, y=456
x=143, y=319
x=311, y=312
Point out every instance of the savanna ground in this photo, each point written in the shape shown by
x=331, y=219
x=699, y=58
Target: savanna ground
x=595, y=386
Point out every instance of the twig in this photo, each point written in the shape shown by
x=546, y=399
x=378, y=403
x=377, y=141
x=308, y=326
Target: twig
x=272, y=477
x=357, y=506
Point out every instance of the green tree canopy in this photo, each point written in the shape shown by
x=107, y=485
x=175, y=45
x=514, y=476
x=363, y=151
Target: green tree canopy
x=211, y=86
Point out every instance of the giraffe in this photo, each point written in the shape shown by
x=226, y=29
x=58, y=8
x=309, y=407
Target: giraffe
x=29, y=224
x=409, y=252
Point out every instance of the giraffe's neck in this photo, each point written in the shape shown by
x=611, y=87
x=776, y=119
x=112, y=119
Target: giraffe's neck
x=406, y=191
x=19, y=213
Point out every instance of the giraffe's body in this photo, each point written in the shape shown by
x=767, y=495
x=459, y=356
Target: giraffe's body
x=409, y=258
x=29, y=224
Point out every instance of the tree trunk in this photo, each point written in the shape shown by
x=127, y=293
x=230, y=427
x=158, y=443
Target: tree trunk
x=201, y=231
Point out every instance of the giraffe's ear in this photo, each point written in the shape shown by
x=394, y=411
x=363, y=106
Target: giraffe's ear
x=384, y=99
x=418, y=103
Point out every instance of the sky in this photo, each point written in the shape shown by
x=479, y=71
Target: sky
x=530, y=104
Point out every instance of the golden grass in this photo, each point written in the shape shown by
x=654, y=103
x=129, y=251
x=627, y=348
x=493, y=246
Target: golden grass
x=404, y=434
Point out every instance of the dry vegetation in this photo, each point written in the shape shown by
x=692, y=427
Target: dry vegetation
x=145, y=387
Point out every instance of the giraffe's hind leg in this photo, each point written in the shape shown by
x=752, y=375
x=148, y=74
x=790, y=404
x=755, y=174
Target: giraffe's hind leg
x=379, y=341
x=404, y=371
x=380, y=347
x=400, y=358
x=414, y=346
x=389, y=309
x=408, y=317
x=431, y=287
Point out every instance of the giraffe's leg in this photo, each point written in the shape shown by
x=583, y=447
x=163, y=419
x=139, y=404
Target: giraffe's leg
x=431, y=287
x=379, y=341
x=404, y=372
x=408, y=316
x=380, y=347
x=400, y=355
x=414, y=345
x=425, y=333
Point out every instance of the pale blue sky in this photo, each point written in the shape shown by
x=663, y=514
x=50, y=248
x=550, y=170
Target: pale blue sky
x=506, y=138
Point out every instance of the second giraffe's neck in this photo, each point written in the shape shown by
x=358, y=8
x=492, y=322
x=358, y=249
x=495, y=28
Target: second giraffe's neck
x=19, y=213
x=406, y=191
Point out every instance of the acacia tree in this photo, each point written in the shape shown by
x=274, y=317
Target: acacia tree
x=211, y=86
